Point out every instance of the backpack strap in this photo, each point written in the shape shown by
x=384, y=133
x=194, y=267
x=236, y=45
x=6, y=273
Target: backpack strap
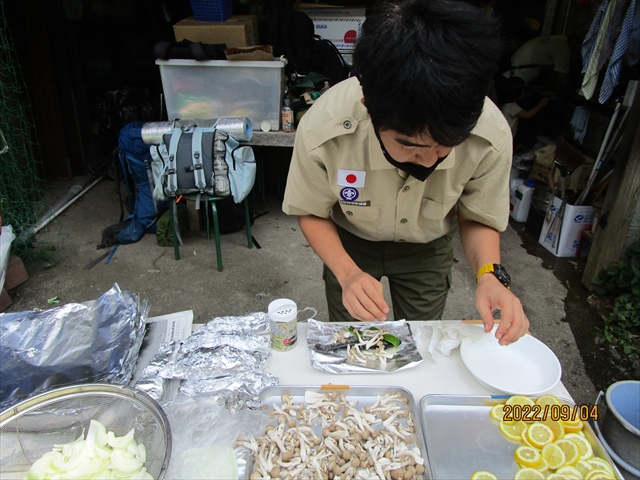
x=125, y=171
x=196, y=158
x=147, y=164
x=176, y=224
x=172, y=174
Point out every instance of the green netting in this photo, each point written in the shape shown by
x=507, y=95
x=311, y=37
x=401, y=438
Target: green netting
x=20, y=189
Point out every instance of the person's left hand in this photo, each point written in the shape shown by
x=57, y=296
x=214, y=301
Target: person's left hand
x=491, y=294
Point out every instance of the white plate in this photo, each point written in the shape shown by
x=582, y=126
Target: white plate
x=526, y=367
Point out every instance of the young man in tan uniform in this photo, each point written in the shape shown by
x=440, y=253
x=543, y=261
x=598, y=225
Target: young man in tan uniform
x=387, y=165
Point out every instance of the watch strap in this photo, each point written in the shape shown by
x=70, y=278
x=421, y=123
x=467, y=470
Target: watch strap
x=486, y=268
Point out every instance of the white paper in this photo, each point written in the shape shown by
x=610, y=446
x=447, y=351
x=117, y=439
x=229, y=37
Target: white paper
x=438, y=339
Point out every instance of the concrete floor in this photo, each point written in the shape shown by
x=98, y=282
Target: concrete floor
x=284, y=266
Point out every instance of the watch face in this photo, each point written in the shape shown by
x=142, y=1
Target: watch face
x=502, y=275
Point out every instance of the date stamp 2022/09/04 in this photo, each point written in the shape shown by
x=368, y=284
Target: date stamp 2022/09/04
x=540, y=413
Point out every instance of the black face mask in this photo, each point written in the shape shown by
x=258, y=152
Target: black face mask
x=416, y=171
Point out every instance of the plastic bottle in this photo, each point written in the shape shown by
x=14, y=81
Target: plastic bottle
x=523, y=196
x=514, y=183
x=287, y=116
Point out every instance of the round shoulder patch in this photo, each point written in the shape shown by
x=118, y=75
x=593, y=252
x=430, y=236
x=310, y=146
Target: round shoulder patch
x=349, y=194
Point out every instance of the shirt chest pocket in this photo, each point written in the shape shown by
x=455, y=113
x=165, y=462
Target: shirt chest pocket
x=437, y=215
x=356, y=214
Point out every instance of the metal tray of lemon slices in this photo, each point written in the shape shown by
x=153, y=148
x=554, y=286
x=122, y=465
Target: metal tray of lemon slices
x=462, y=438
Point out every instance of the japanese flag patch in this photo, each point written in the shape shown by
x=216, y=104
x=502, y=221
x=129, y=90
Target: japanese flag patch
x=351, y=178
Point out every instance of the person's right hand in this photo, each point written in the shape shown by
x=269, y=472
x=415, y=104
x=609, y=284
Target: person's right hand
x=544, y=101
x=363, y=298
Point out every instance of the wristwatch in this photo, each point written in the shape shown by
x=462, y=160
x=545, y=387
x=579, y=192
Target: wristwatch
x=498, y=270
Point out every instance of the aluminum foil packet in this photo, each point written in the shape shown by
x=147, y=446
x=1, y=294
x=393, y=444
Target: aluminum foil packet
x=234, y=392
x=95, y=341
x=257, y=323
x=223, y=358
x=328, y=355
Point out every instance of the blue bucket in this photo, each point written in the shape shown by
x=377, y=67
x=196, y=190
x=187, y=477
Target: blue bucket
x=621, y=427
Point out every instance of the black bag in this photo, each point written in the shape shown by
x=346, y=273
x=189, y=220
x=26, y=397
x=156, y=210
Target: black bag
x=291, y=33
x=328, y=61
x=186, y=49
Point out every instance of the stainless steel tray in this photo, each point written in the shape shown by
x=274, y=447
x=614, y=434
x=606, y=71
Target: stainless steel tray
x=364, y=395
x=461, y=437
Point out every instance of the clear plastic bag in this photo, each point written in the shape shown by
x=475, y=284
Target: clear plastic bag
x=203, y=436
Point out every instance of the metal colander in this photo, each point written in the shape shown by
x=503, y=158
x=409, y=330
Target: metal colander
x=31, y=428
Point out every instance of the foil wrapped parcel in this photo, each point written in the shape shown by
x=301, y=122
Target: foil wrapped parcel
x=223, y=358
x=337, y=361
x=95, y=341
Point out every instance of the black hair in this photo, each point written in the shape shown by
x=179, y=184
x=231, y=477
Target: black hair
x=426, y=65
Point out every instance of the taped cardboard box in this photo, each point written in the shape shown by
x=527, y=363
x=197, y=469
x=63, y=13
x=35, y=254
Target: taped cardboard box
x=340, y=26
x=542, y=164
x=564, y=241
x=238, y=31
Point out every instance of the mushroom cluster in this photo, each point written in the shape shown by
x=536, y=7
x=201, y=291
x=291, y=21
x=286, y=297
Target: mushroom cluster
x=327, y=437
x=368, y=343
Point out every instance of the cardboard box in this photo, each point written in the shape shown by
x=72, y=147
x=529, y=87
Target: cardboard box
x=253, y=34
x=543, y=161
x=576, y=220
x=347, y=55
x=238, y=31
x=341, y=26
x=16, y=273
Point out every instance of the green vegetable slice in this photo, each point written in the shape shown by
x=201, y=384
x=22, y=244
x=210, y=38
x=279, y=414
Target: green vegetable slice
x=392, y=339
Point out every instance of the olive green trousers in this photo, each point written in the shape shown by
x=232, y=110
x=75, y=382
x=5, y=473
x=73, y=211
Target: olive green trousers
x=419, y=275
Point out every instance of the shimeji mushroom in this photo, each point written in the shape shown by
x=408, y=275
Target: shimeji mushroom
x=349, y=447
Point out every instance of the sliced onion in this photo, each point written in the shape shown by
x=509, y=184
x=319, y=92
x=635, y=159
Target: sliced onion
x=102, y=456
x=124, y=464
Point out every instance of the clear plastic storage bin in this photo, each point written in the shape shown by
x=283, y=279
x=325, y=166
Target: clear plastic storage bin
x=220, y=88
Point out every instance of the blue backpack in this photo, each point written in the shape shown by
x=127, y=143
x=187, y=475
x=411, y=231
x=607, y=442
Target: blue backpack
x=135, y=160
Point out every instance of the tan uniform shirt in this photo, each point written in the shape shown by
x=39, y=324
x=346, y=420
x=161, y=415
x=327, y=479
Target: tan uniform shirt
x=338, y=170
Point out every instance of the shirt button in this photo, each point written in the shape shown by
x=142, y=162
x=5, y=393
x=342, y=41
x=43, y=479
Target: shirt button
x=346, y=124
x=350, y=213
x=406, y=189
x=404, y=220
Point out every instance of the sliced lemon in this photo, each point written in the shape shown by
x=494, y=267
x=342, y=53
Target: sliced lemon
x=539, y=434
x=586, y=451
x=523, y=437
x=497, y=411
x=556, y=426
x=557, y=476
x=512, y=430
x=519, y=400
x=528, y=474
x=527, y=456
x=573, y=426
x=570, y=449
x=598, y=462
x=544, y=465
x=554, y=455
x=548, y=399
x=599, y=474
x=483, y=475
x=570, y=471
x=584, y=467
